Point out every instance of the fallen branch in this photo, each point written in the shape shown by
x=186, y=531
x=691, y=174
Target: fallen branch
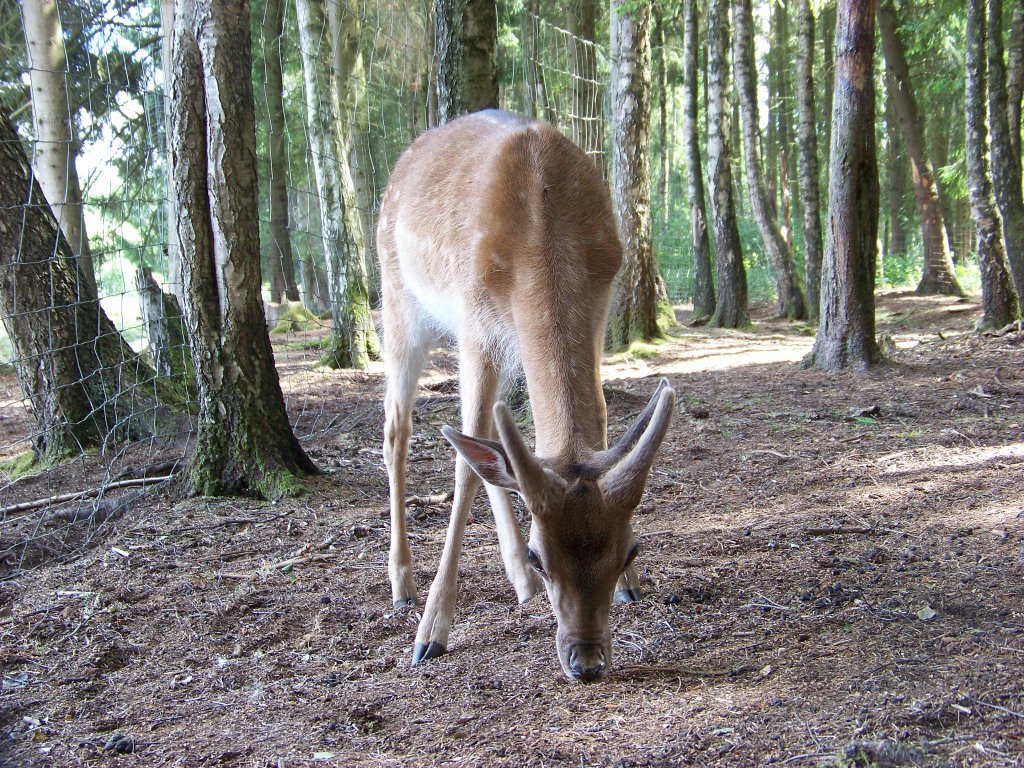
x=1015, y=326
x=429, y=501
x=25, y=506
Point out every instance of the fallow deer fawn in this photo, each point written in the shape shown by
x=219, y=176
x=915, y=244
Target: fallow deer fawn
x=500, y=232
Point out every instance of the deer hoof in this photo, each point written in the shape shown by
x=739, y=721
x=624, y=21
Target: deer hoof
x=627, y=595
x=408, y=602
x=424, y=651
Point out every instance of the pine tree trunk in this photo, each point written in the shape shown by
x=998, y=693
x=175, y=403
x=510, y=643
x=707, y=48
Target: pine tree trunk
x=1005, y=169
x=282, y=265
x=85, y=384
x=244, y=442
x=56, y=149
x=897, y=163
x=466, y=39
x=938, y=275
x=641, y=295
x=353, y=342
x=809, y=171
x=998, y=303
x=588, y=120
x=661, y=74
x=703, y=286
x=731, y=309
x=791, y=301
x=787, y=165
x=846, y=332
x=828, y=35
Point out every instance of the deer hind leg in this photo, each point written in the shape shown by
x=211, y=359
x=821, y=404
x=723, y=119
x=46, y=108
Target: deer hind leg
x=478, y=384
x=627, y=588
x=404, y=358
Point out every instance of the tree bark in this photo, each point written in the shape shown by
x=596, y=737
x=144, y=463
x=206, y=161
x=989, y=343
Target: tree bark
x=938, y=275
x=791, y=301
x=588, y=120
x=466, y=36
x=282, y=265
x=85, y=384
x=898, y=167
x=703, y=286
x=354, y=341
x=173, y=266
x=809, y=171
x=846, y=332
x=731, y=308
x=641, y=294
x=165, y=328
x=998, y=303
x=1015, y=77
x=56, y=145
x=1005, y=168
x=658, y=13
x=828, y=35
x=787, y=166
x=244, y=443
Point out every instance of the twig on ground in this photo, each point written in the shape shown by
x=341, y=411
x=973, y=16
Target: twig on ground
x=837, y=531
x=25, y=506
x=429, y=501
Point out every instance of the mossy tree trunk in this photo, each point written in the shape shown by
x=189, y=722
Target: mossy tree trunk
x=703, y=285
x=731, y=308
x=85, y=384
x=846, y=331
x=641, y=299
x=283, y=284
x=999, y=304
x=354, y=341
x=244, y=442
x=791, y=301
x=938, y=275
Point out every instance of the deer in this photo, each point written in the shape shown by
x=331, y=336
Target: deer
x=499, y=232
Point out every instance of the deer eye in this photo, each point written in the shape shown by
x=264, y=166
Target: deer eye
x=532, y=559
x=631, y=556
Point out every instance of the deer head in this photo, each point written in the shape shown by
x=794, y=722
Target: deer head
x=581, y=539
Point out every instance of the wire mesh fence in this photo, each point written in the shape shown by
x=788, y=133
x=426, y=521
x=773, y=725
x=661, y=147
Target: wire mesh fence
x=112, y=102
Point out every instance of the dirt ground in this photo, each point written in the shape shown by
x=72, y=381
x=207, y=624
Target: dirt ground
x=832, y=571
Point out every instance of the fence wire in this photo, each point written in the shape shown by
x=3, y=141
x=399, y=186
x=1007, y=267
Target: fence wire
x=115, y=101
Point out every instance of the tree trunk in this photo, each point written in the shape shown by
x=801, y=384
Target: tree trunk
x=165, y=329
x=56, y=146
x=731, y=309
x=897, y=164
x=173, y=266
x=641, y=294
x=791, y=302
x=703, y=286
x=85, y=384
x=998, y=303
x=1005, y=169
x=1015, y=77
x=787, y=166
x=846, y=332
x=282, y=266
x=808, y=140
x=354, y=340
x=828, y=35
x=660, y=71
x=588, y=120
x=538, y=104
x=350, y=73
x=466, y=36
x=938, y=275
x=244, y=442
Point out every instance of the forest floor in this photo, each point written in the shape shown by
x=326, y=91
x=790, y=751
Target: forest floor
x=832, y=567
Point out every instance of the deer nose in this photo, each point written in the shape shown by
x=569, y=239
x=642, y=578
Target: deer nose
x=586, y=662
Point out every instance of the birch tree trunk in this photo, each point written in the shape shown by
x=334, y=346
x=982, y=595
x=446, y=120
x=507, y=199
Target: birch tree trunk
x=173, y=266
x=846, y=331
x=244, y=442
x=998, y=303
x=641, y=295
x=938, y=275
x=703, y=286
x=282, y=264
x=56, y=146
x=731, y=308
x=354, y=341
x=84, y=382
x=808, y=141
x=791, y=301
x=1005, y=168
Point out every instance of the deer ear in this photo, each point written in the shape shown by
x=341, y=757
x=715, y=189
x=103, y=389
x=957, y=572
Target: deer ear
x=486, y=457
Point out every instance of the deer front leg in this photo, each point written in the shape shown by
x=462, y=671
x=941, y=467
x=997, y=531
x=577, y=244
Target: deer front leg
x=478, y=384
x=513, y=547
x=397, y=431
